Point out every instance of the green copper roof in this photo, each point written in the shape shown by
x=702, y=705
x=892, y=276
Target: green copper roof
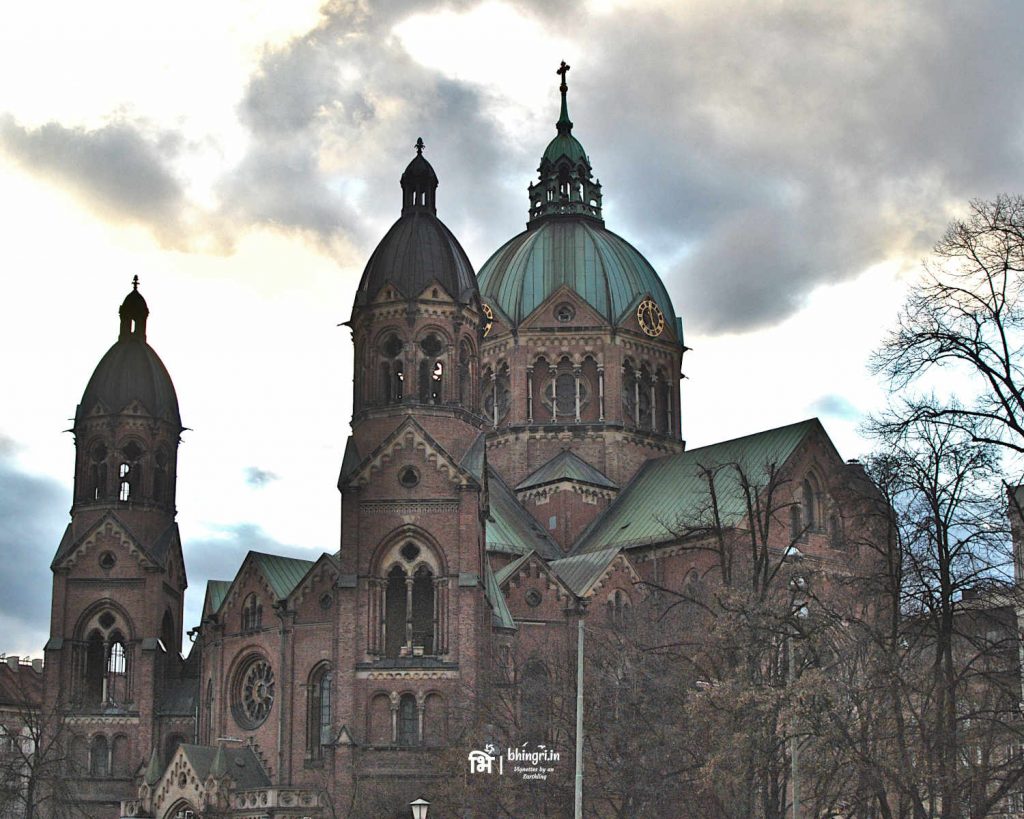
x=579, y=572
x=506, y=571
x=567, y=466
x=670, y=494
x=283, y=573
x=216, y=591
x=510, y=528
x=500, y=614
x=578, y=252
x=568, y=146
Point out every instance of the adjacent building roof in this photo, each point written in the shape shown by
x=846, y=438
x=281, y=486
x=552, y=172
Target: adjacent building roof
x=510, y=528
x=567, y=466
x=669, y=495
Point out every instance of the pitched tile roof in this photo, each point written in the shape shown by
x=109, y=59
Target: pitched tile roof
x=283, y=573
x=579, y=572
x=567, y=465
x=670, y=492
x=510, y=528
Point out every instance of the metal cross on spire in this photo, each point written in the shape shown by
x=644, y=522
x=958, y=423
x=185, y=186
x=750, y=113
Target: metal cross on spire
x=135, y=282
x=563, y=69
x=419, y=146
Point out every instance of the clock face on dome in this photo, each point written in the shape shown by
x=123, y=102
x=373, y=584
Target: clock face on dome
x=489, y=316
x=650, y=318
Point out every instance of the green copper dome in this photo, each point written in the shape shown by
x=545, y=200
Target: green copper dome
x=566, y=243
x=604, y=269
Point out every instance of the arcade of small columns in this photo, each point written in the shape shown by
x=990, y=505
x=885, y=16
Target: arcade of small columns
x=558, y=386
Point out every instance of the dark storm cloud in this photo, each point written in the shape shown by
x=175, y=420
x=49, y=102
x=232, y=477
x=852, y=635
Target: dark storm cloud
x=758, y=152
x=254, y=476
x=33, y=515
x=333, y=116
x=117, y=169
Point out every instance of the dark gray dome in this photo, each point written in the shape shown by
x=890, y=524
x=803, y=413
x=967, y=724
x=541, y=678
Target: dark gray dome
x=417, y=250
x=131, y=371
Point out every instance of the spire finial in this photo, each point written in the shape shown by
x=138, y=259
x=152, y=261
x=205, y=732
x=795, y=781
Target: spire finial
x=419, y=146
x=135, y=282
x=564, y=123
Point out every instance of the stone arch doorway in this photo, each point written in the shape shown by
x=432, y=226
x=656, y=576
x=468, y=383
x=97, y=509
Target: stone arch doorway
x=182, y=809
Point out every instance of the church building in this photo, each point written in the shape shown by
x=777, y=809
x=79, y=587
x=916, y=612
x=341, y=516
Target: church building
x=516, y=461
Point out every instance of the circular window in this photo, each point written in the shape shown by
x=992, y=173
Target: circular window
x=326, y=602
x=565, y=312
x=107, y=561
x=254, y=693
x=533, y=597
x=409, y=477
x=410, y=551
x=106, y=620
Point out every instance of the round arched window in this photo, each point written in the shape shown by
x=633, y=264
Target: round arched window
x=254, y=691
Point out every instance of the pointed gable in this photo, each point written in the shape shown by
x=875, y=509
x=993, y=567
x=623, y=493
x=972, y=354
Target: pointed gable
x=410, y=436
x=110, y=532
x=585, y=573
x=566, y=466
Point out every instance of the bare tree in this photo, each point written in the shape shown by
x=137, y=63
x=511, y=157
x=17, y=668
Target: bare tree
x=35, y=760
x=966, y=316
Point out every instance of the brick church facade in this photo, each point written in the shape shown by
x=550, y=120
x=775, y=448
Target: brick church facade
x=516, y=459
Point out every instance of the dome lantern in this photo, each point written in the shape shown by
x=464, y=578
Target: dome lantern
x=566, y=185
x=133, y=312
x=419, y=183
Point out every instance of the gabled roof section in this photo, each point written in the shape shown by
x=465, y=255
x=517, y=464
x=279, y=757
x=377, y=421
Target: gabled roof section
x=156, y=553
x=350, y=461
x=506, y=571
x=475, y=458
x=410, y=435
x=522, y=564
x=510, y=528
x=216, y=592
x=241, y=764
x=670, y=493
x=282, y=573
x=501, y=617
x=567, y=466
x=580, y=572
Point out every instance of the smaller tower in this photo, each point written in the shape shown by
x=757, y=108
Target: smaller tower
x=118, y=576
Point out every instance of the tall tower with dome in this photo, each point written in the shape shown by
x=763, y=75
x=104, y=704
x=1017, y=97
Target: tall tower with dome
x=582, y=351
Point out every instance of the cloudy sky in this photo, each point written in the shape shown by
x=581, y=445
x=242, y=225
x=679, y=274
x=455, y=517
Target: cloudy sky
x=785, y=166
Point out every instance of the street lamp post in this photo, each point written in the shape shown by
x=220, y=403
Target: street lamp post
x=419, y=808
x=798, y=609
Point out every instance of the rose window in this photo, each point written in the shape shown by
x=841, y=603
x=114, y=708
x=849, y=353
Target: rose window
x=255, y=693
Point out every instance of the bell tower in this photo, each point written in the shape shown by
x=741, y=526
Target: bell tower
x=411, y=604
x=118, y=576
